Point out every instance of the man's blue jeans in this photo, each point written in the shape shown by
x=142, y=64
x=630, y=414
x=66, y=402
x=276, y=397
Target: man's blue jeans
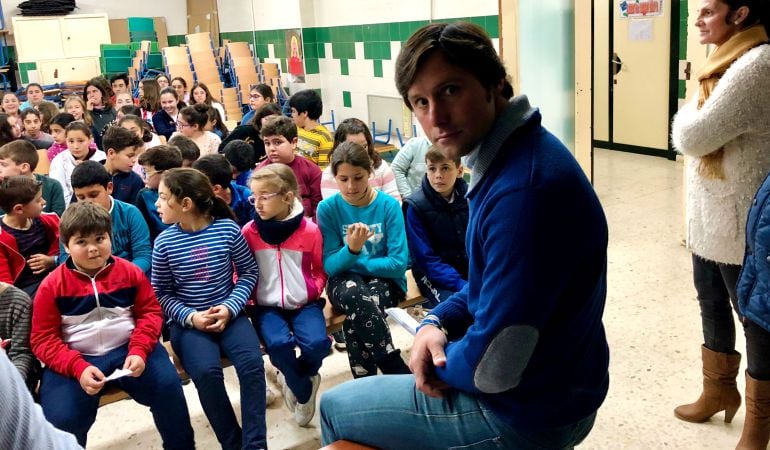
x=388, y=412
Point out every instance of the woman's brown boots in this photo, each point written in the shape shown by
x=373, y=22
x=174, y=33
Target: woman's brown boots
x=720, y=391
x=756, y=427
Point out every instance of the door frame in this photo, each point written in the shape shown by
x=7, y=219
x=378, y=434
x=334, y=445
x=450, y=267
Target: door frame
x=673, y=85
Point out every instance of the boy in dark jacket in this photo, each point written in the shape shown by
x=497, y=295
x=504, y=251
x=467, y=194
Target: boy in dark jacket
x=436, y=222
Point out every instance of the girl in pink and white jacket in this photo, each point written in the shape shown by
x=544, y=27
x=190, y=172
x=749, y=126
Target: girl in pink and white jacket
x=288, y=309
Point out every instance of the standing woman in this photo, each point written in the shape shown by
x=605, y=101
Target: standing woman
x=726, y=133
x=97, y=97
x=365, y=255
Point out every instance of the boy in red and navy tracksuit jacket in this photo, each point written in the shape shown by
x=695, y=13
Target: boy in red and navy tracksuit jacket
x=94, y=314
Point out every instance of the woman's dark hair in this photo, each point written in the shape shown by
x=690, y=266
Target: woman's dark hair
x=104, y=87
x=130, y=110
x=463, y=44
x=6, y=130
x=162, y=75
x=197, y=114
x=271, y=109
x=357, y=126
x=350, y=153
x=47, y=110
x=265, y=91
x=191, y=183
x=219, y=124
x=62, y=119
x=759, y=12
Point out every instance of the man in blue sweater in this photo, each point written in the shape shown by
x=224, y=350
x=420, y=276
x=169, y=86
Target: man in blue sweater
x=518, y=358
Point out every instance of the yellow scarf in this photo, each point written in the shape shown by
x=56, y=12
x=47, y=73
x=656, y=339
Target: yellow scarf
x=717, y=63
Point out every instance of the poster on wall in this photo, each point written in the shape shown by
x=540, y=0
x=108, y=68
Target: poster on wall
x=641, y=8
x=294, y=51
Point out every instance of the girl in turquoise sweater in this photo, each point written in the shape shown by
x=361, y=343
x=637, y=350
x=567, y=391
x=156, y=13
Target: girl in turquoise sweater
x=365, y=255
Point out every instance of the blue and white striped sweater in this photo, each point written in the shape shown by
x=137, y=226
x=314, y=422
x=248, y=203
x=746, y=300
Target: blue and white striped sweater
x=194, y=271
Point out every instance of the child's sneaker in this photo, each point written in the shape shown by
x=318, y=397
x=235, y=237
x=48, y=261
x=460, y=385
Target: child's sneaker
x=339, y=341
x=288, y=396
x=304, y=412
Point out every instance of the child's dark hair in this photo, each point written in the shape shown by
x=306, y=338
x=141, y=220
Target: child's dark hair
x=193, y=184
x=357, y=126
x=84, y=219
x=219, y=124
x=216, y=168
x=62, y=119
x=350, y=153
x=130, y=110
x=435, y=156
x=28, y=111
x=188, y=147
x=240, y=155
x=279, y=126
x=308, y=101
x=119, y=76
x=265, y=91
x=20, y=151
x=141, y=123
x=78, y=126
x=161, y=157
x=118, y=139
x=197, y=114
x=209, y=98
x=18, y=190
x=89, y=173
x=271, y=109
x=47, y=112
x=6, y=130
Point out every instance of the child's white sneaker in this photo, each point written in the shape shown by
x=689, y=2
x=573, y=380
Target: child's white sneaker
x=288, y=396
x=304, y=412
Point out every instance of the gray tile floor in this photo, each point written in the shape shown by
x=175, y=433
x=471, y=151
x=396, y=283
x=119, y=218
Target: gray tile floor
x=652, y=322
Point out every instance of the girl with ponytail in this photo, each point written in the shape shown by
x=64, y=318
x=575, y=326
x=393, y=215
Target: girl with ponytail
x=194, y=264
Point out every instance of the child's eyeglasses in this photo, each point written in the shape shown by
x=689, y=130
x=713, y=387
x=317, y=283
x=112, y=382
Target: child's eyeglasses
x=262, y=197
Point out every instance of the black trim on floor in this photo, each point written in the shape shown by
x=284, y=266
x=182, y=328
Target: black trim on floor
x=650, y=151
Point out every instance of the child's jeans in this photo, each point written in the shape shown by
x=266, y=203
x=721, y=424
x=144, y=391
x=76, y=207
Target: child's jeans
x=433, y=294
x=67, y=406
x=281, y=330
x=200, y=353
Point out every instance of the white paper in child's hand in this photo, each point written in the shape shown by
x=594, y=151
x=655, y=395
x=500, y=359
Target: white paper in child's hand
x=118, y=373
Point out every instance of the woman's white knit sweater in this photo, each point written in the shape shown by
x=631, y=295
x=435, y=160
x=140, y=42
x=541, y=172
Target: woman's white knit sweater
x=737, y=117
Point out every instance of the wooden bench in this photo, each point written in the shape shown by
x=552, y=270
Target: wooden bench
x=334, y=319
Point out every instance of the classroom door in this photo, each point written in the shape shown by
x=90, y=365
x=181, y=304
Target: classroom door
x=632, y=44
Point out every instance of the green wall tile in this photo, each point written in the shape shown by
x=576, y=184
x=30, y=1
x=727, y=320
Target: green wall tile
x=682, y=88
x=493, y=26
x=261, y=50
x=311, y=66
x=284, y=68
x=279, y=50
x=309, y=35
x=346, y=100
x=343, y=50
x=378, y=68
x=321, y=50
x=394, y=34
x=344, y=67
x=310, y=49
x=318, y=91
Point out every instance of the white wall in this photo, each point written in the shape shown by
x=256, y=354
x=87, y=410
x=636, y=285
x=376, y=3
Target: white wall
x=175, y=11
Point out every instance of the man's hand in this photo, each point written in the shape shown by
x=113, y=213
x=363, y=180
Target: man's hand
x=135, y=364
x=92, y=380
x=428, y=353
x=39, y=263
x=220, y=316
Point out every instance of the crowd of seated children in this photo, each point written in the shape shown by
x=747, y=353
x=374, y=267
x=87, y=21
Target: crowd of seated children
x=280, y=137
x=436, y=222
x=79, y=149
x=154, y=162
x=9, y=103
x=15, y=324
x=240, y=155
x=188, y=148
x=287, y=309
x=192, y=123
x=315, y=142
x=193, y=263
x=382, y=178
x=31, y=119
x=259, y=96
x=121, y=147
x=130, y=234
x=365, y=256
x=249, y=131
x=200, y=95
x=409, y=165
x=20, y=158
x=220, y=174
x=165, y=120
x=98, y=313
x=29, y=238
